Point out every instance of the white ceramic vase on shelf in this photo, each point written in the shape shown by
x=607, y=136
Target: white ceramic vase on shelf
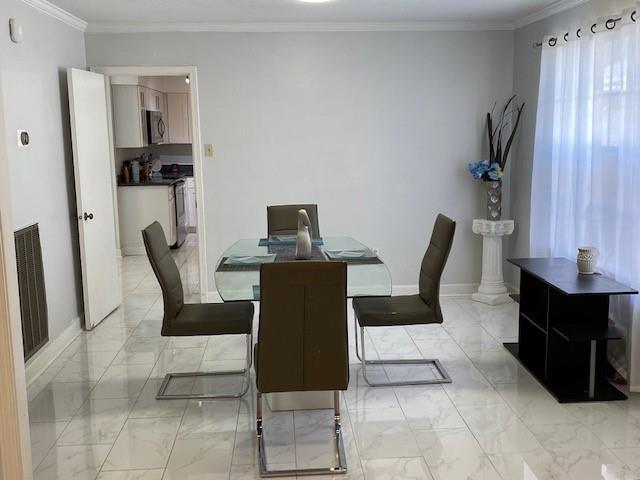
x=303, y=238
x=587, y=259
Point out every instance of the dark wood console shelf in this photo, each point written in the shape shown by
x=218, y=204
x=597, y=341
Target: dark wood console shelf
x=578, y=333
x=564, y=328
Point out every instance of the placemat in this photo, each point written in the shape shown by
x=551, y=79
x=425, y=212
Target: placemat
x=287, y=253
x=225, y=267
x=359, y=261
x=290, y=257
x=265, y=242
x=284, y=253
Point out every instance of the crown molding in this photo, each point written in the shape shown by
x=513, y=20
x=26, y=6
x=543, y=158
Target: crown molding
x=554, y=8
x=58, y=13
x=46, y=7
x=163, y=27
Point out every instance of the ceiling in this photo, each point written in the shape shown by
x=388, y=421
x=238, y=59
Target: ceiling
x=295, y=11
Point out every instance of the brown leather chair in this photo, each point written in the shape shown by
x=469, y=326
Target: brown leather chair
x=191, y=319
x=302, y=342
x=423, y=308
x=283, y=219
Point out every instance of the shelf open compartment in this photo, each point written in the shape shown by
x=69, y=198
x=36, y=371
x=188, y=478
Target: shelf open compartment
x=534, y=297
x=532, y=350
x=578, y=357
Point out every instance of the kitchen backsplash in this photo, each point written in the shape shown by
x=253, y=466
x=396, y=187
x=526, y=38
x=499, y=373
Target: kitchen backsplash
x=168, y=154
x=171, y=159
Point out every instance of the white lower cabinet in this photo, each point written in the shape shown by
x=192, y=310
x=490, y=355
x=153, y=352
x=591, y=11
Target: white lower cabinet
x=140, y=206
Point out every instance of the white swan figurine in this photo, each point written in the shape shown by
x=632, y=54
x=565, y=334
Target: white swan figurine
x=303, y=238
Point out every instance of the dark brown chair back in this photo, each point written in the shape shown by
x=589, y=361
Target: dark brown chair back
x=302, y=338
x=167, y=273
x=283, y=219
x=434, y=261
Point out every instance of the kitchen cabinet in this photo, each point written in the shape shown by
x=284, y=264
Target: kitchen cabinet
x=138, y=207
x=165, y=115
x=190, y=204
x=144, y=97
x=129, y=120
x=150, y=99
x=130, y=102
x=178, y=117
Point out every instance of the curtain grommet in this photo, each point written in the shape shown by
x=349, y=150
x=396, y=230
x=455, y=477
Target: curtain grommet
x=579, y=33
x=593, y=28
x=610, y=24
x=553, y=42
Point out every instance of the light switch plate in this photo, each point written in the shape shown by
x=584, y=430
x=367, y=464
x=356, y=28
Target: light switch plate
x=208, y=150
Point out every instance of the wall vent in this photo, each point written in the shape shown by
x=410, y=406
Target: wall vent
x=33, y=299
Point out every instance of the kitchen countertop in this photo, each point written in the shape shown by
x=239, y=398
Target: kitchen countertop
x=156, y=181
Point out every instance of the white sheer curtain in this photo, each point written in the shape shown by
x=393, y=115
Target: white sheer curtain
x=586, y=170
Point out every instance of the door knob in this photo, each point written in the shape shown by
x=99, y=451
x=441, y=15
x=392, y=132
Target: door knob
x=88, y=216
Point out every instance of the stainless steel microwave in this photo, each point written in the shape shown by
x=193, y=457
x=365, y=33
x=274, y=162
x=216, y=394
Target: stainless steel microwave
x=156, y=128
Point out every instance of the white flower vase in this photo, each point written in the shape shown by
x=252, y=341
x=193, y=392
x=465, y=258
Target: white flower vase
x=303, y=238
x=586, y=260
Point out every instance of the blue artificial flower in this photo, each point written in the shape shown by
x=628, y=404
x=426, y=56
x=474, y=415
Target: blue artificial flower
x=479, y=169
x=495, y=172
x=494, y=175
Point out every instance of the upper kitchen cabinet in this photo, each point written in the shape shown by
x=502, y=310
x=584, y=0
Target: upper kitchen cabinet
x=131, y=104
x=151, y=100
x=129, y=116
x=179, y=117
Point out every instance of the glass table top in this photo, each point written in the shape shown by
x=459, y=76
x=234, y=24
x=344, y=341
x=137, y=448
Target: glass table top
x=237, y=273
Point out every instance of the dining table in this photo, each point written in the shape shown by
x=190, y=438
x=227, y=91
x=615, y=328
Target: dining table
x=237, y=278
x=237, y=273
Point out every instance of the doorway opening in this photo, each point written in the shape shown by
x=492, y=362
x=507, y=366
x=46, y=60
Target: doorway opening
x=156, y=162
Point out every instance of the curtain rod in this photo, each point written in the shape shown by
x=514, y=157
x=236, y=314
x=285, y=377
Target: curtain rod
x=609, y=25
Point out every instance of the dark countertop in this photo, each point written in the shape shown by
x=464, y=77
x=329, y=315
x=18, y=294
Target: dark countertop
x=156, y=181
x=563, y=275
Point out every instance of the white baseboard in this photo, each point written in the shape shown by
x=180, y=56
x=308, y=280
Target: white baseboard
x=513, y=289
x=446, y=289
x=126, y=251
x=47, y=354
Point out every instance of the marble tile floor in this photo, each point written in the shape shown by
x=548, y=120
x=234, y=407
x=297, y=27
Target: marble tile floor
x=94, y=414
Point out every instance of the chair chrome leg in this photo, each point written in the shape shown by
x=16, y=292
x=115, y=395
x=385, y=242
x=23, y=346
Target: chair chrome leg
x=445, y=378
x=246, y=382
x=341, y=457
x=355, y=328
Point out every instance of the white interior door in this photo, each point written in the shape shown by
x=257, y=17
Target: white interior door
x=94, y=195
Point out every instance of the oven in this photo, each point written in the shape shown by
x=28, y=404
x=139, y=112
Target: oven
x=181, y=214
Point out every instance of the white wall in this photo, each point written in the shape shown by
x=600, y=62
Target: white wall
x=33, y=76
x=377, y=128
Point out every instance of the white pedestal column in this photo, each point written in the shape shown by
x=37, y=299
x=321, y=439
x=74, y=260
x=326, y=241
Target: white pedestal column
x=492, y=289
